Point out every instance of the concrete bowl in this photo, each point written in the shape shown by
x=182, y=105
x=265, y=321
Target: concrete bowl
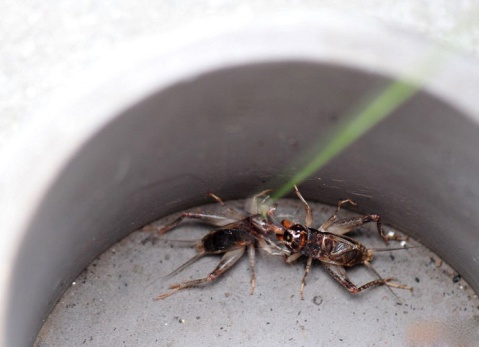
x=228, y=108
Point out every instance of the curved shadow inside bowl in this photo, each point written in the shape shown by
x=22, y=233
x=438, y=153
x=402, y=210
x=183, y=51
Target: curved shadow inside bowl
x=230, y=132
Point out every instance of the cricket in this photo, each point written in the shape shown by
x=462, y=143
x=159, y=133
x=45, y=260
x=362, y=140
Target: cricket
x=256, y=227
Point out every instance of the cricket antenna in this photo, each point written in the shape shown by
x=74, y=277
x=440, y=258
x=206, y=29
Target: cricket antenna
x=393, y=249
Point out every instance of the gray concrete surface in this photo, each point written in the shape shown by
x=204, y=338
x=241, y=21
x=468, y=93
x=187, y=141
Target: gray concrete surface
x=44, y=44
x=111, y=302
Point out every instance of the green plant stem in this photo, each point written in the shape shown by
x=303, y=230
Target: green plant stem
x=384, y=104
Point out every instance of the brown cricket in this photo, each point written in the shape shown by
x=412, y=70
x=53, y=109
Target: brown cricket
x=256, y=228
x=332, y=248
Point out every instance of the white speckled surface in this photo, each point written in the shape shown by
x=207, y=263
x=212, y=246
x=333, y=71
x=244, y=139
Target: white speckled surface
x=43, y=44
x=111, y=303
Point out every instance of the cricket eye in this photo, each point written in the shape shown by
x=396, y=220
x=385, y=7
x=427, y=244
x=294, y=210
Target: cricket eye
x=287, y=236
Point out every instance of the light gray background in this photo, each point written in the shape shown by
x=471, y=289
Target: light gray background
x=43, y=44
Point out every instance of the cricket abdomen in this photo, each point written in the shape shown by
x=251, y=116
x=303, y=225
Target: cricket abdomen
x=221, y=240
x=336, y=249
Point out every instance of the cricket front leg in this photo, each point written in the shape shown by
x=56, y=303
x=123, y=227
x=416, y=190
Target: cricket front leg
x=254, y=207
x=227, y=261
x=272, y=248
x=309, y=215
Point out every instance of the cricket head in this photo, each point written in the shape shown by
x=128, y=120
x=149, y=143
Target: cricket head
x=295, y=236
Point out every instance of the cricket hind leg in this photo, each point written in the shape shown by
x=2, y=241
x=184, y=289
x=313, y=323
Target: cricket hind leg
x=339, y=274
x=216, y=220
x=346, y=225
x=388, y=282
x=209, y=219
x=334, y=217
x=227, y=261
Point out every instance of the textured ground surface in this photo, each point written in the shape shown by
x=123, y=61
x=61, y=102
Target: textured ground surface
x=111, y=303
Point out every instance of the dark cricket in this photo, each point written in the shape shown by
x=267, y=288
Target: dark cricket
x=257, y=227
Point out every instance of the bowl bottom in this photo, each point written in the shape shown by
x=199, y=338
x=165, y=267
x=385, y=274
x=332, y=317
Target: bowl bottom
x=111, y=302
